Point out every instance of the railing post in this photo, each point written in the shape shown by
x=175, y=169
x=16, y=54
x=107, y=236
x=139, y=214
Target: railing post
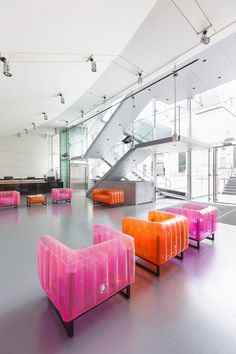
x=133, y=118
x=175, y=74
x=189, y=153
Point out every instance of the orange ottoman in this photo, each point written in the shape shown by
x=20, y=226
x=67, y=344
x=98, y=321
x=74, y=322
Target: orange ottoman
x=160, y=239
x=108, y=196
x=36, y=199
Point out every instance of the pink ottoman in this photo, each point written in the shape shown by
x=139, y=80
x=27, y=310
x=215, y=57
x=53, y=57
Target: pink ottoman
x=61, y=194
x=75, y=281
x=202, y=219
x=10, y=198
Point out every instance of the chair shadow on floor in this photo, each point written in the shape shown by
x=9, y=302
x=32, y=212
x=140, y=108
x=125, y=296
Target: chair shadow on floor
x=30, y=329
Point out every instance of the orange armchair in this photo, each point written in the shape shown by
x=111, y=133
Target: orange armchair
x=108, y=196
x=159, y=239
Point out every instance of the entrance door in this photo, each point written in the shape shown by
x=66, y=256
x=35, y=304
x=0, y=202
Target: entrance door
x=78, y=176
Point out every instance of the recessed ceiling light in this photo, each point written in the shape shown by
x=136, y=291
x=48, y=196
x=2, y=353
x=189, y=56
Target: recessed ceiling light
x=194, y=88
x=119, y=124
x=204, y=60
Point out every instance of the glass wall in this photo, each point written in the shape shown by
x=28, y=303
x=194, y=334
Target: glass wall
x=65, y=158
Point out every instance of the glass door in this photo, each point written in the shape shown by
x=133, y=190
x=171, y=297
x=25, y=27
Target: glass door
x=224, y=173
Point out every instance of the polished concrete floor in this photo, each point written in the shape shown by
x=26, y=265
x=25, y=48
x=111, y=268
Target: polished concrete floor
x=190, y=309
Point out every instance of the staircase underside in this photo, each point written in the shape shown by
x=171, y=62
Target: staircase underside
x=140, y=152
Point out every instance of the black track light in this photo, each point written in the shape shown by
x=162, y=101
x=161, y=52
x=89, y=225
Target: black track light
x=140, y=78
x=205, y=39
x=61, y=97
x=6, y=67
x=93, y=63
x=45, y=117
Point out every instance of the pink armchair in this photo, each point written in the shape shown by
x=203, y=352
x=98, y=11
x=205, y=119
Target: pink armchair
x=10, y=198
x=203, y=220
x=75, y=281
x=59, y=194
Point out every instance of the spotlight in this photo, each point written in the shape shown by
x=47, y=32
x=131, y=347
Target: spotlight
x=55, y=130
x=45, y=117
x=104, y=99
x=204, y=39
x=140, y=78
x=26, y=131
x=82, y=114
x=34, y=125
x=19, y=135
x=67, y=123
x=6, y=67
x=61, y=97
x=93, y=64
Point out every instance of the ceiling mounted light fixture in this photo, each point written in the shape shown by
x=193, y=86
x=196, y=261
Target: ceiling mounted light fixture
x=34, y=125
x=93, y=63
x=104, y=99
x=205, y=39
x=62, y=98
x=67, y=123
x=6, y=67
x=45, y=117
x=26, y=131
x=140, y=78
x=55, y=130
x=82, y=114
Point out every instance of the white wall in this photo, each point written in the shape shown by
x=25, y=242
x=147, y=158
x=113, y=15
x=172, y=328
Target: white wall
x=29, y=155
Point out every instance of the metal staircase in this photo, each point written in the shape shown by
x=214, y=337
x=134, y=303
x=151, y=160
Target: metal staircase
x=230, y=187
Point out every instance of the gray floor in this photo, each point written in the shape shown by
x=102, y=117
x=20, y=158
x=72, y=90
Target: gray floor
x=190, y=309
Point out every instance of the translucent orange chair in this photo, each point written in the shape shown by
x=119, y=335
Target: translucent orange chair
x=162, y=237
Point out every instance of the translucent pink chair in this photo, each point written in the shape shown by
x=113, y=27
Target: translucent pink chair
x=202, y=219
x=10, y=198
x=75, y=281
x=61, y=194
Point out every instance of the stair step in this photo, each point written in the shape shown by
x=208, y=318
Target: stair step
x=229, y=193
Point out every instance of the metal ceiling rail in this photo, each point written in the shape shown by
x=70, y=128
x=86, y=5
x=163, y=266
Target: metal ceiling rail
x=174, y=72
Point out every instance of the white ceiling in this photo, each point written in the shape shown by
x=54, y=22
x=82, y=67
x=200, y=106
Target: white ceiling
x=48, y=43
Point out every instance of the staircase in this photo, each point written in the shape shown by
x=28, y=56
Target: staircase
x=230, y=187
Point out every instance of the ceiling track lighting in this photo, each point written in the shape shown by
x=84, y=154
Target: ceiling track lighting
x=104, y=99
x=34, y=125
x=26, y=131
x=67, y=123
x=55, y=130
x=205, y=39
x=140, y=78
x=93, y=63
x=82, y=114
x=62, y=98
x=45, y=117
x=6, y=67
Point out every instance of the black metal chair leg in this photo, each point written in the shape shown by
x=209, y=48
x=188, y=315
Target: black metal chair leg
x=181, y=256
x=126, y=292
x=69, y=326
